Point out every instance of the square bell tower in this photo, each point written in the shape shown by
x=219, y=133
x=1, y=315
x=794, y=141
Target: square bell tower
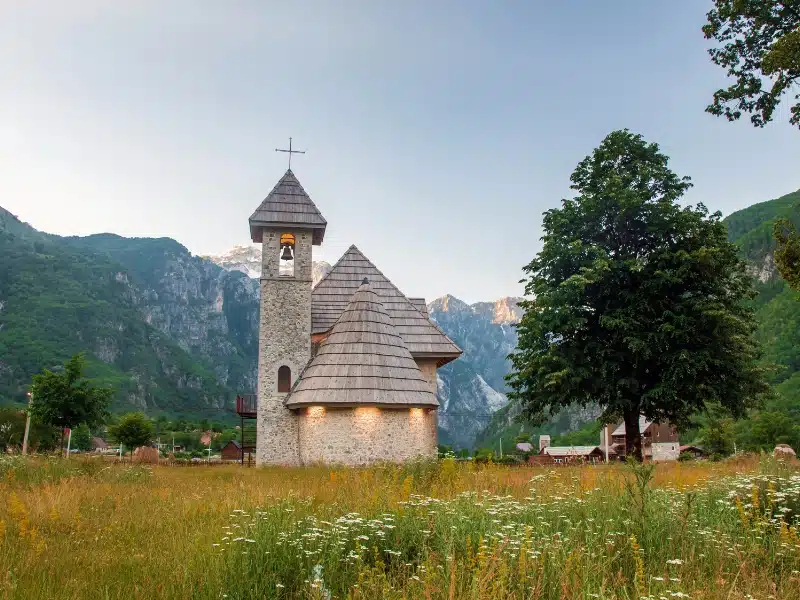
x=287, y=224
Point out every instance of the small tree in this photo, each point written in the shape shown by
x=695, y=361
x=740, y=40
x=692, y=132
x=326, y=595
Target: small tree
x=760, y=47
x=67, y=398
x=717, y=433
x=639, y=303
x=787, y=253
x=132, y=430
x=82, y=437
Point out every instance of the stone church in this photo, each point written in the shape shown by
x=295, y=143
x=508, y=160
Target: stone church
x=346, y=369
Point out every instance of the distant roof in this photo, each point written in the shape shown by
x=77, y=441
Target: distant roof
x=363, y=361
x=288, y=205
x=525, y=447
x=570, y=450
x=691, y=447
x=99, y=443
x=235, y=443
x=643, y=425
x=333, y=292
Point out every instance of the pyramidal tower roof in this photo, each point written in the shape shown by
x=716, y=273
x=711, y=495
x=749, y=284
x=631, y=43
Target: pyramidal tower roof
x=363, y=361
x=288, y=205
x=333, y=292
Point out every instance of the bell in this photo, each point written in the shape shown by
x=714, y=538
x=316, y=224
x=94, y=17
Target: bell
x=287, y=253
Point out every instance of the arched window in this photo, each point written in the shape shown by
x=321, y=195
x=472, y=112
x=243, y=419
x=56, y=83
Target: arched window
x=284, y=379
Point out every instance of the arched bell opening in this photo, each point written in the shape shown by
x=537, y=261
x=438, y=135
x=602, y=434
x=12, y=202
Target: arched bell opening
x=286, y=261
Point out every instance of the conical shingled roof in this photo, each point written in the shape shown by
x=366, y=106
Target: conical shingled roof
x=332, y=294
x=363, y=361
x=288, y=205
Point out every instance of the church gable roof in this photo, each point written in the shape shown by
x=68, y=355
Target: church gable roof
x=363, y=361
x=288, y=204
x=331, y=295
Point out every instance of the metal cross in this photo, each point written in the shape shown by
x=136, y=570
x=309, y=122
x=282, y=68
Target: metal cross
x=290, y=152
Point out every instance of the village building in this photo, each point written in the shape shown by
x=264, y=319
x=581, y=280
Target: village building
x=231, y=451
x=524, y=447
x=695, y=452
x=572, y=454
x=659, y=440
x=99, y=444
x=347, y=370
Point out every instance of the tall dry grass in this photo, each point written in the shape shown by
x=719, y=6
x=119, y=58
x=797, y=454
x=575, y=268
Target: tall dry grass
x=82, y=528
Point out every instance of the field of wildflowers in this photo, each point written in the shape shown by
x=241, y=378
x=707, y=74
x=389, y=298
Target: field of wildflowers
x=89, y=529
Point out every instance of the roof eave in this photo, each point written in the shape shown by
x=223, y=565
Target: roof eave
x=443, y=357
x=298, y=405
x=257, y=230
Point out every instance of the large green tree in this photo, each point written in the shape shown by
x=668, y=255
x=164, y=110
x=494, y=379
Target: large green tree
x=759, y=46
x=67, y=398
x=638, y=304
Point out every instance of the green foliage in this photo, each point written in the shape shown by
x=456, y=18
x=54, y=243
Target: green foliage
x=41, y=437
x=639, y=303
x=787, y=253
x=717, y=431
x=588, y=435
x=522, y=438
x=68, y=295
x=483, y=455
x=82, y=437
x=67, y=398
x=132, y=430
x=759, y=46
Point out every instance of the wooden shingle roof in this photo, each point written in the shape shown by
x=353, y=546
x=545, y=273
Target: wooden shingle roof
x=288, y=205
x=363, y=361
x=332, y=294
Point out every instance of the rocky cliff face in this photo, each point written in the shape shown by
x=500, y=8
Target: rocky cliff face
x=472, y=388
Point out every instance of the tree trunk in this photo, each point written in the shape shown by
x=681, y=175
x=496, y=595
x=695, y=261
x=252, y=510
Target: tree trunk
x=633, y=437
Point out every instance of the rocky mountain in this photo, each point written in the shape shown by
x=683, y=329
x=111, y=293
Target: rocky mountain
x=170, y=331
x=247, y=259
x=472, y=388
x=178, y=333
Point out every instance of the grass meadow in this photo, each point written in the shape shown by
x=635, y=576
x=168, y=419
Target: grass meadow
x=84, y=528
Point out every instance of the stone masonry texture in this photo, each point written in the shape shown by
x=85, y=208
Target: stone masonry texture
x=365, y=435
x=284, y=339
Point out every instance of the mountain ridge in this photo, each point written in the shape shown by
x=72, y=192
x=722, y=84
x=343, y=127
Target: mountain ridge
x=175, y=332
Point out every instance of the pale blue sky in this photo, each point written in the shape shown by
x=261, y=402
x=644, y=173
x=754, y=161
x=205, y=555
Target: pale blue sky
x=437, y=131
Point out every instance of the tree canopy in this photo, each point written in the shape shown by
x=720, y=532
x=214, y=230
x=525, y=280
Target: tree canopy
x=638, y=304
x=67, y=398
x=132, y=430
x=787, y=252
x=760, y=47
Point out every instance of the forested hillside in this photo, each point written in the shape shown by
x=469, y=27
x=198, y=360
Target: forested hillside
x=162, y=344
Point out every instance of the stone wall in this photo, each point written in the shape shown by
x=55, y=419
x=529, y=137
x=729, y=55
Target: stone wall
x=665, y=451
x=284, y=339
x=364, y=435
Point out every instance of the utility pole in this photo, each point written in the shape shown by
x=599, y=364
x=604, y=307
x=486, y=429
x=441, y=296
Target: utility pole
x=501, y=446
x=605, y=442
x=69, y=440
x=27, y=425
